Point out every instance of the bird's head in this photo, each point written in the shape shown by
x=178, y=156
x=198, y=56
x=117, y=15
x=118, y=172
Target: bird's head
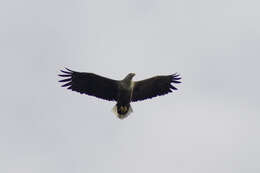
x=129, y=76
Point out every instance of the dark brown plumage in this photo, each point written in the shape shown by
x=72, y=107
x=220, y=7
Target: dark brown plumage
x=122, y=91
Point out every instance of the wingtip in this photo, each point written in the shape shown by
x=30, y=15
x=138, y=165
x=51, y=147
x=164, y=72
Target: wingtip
x=64, y=75
x=65, y=80
x=68, y=69
x=66, y=72
x=176, y=77
x=172, y=87
x=67, y=84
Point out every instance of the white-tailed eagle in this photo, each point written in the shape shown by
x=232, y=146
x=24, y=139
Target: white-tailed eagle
x=122, y=91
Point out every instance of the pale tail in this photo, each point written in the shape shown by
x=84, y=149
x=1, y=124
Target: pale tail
x=114, y=110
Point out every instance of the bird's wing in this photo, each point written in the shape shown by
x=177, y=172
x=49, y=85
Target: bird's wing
x=155, y=86
x=90, y=84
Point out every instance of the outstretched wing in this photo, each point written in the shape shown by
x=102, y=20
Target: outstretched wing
x=155, y=86
x=90, y=84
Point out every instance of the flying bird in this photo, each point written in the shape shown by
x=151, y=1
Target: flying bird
x=122, y=91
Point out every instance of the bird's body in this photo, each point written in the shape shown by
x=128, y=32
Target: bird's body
x=122, y=91
x=125, y=87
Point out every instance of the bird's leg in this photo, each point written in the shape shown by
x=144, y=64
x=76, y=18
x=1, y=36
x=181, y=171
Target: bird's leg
x=122, y=108
x=125, y=108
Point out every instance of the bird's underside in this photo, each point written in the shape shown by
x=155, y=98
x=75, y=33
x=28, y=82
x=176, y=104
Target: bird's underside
x=122, y=91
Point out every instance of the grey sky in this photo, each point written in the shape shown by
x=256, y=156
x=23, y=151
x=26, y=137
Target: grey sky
x=211, y=124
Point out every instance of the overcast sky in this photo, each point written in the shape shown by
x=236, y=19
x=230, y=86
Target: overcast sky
x=211, y=124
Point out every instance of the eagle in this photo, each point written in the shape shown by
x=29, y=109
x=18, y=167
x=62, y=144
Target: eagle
x=123, y=92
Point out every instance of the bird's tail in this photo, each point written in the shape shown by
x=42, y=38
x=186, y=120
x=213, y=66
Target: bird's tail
x=122, y=111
